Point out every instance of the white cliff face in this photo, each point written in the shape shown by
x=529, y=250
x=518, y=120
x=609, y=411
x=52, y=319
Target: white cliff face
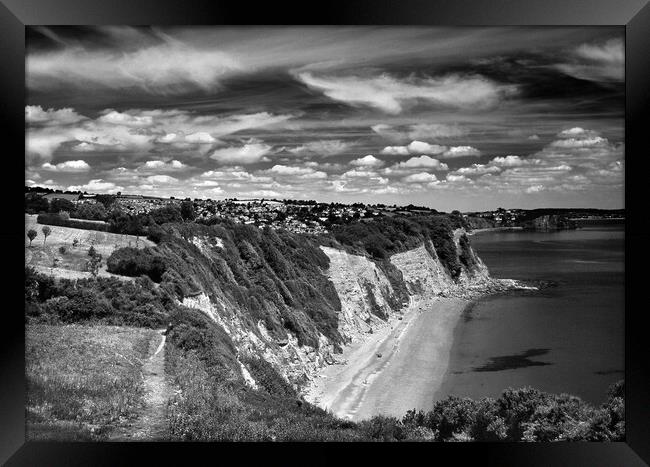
x=424, y=275
x=354, y=277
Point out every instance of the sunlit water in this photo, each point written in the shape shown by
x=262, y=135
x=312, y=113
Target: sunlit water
x=565, y=338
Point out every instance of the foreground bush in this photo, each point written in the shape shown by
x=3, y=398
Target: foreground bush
x=135, y=262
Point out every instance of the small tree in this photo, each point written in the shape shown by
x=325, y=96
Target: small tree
x=46, y=232
x=75, y=242
x=62, y=249
x=92, y=252
x=31, y=234
x=93, y=264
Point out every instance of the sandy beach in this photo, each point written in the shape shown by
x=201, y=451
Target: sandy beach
x=397, y=368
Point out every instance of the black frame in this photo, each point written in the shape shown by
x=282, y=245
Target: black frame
x=633, y=14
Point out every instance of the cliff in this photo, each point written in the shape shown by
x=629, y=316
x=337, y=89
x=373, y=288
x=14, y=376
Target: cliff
x=293, y=300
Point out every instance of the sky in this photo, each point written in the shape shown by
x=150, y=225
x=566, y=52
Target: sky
x=451, y=118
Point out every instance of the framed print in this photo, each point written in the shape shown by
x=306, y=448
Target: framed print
x=365, y=230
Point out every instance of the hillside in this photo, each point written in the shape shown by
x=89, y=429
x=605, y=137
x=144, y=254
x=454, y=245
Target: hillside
x=256, y=313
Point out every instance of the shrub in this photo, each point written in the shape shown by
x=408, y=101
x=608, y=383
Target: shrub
x=134, y=262
x=55, y=219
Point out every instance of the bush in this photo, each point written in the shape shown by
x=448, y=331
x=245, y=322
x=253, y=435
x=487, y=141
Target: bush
x=56, y=219
x=134, y=262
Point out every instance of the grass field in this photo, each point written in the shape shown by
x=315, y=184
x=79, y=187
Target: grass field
x=71, y=264
x=83, y=381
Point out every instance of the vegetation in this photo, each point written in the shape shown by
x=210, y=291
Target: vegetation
x=46, y=232
x=31, y=234
x=57, y=219
x=134, y=262
x=78, y=386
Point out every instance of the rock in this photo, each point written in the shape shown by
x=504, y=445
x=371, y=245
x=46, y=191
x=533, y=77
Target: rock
x=378, y=355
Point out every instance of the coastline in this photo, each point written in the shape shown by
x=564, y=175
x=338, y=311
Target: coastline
x=414, y=359
x=494, y=229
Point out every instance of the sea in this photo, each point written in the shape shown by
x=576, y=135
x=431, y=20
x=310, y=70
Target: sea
x=567, y=337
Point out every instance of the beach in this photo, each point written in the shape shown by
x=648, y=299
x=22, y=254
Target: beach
x=397, y=368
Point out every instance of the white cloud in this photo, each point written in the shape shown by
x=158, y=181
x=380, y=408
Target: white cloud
x=126, y=119
x=461, y=151
x=423, y=161
x=68, y=166
x=164, y=68
x=396, y=150
x=65, y=116
x=322, y=147
x=367, y=161
x=419, y=131
x=457, y=178
x=421, y=177
x=161, y=179
x=98, y=186
x=509, y=161
x=391, y=94
x=477, y=169
x=597, y=61
x=249, y=153
x=200, y=137
x=301, y=172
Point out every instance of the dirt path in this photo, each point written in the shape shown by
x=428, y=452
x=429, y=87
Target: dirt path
x=151, y=423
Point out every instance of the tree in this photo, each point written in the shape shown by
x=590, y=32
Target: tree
x=92, y=252
x=61, y=204
x=31, y=234
x=93, y=264
x=35, y=203
x=46, y=232
x=187, y=210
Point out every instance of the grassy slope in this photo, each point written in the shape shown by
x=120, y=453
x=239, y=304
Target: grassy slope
x=82, y=380
x=71, y=264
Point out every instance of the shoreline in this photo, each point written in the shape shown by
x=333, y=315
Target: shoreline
x=401, y=366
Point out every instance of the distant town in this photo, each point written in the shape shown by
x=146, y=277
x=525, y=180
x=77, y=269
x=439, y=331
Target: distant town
x=300, y=216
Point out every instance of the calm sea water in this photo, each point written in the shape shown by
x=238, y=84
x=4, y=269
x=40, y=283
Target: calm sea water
x=565, y=338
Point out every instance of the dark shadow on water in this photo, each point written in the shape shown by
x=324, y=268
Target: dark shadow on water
x=511, y=362
x=608, y=372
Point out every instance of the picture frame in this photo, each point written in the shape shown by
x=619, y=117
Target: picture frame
x=634, y=15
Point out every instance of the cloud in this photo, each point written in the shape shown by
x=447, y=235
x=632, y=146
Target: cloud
x=391, y=94
x=603, y=61
x=97, y=186
x=510, y=161
x=414, y=147
x=322, y=147
x=139, y=131
x=249, y=153
x=421, y=177
x=123, y=118
x=68, y=166
x=435, y=130
x=457, y=178
x=367, y=161
x=161, y=179
x=65, y=116
x=419, y=131
x=165, y=68
x=301, y=172
x=460, y=151
x=396, y=150
x=200, y=137
x=477, y=169
x=422, y=161
x=161, y=166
